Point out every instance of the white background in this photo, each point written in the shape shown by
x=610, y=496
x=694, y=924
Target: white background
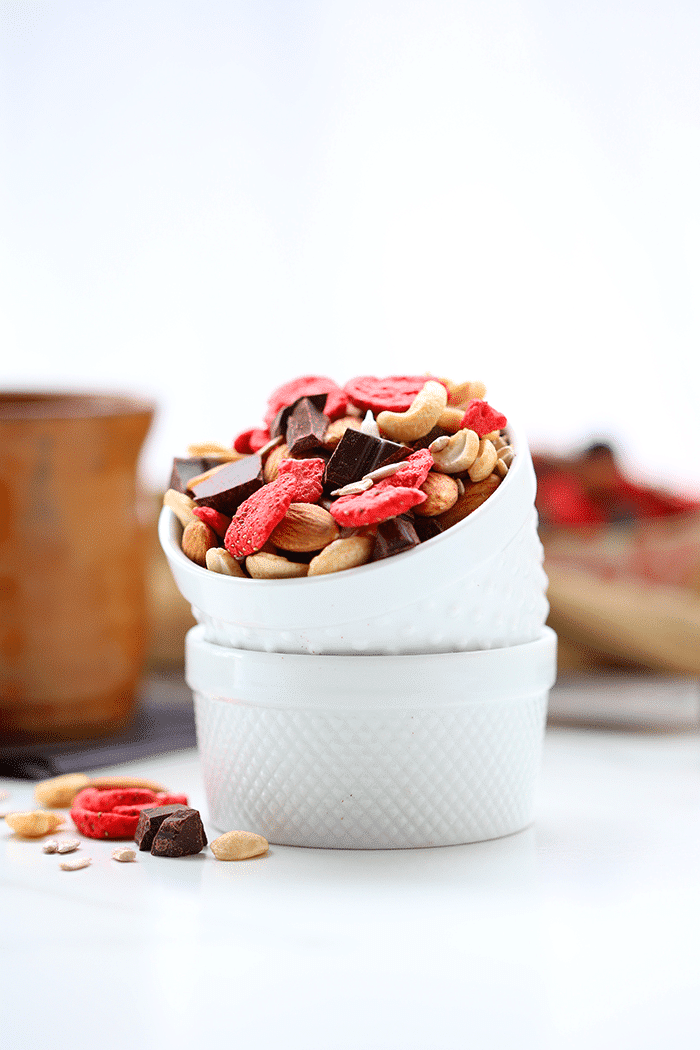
x=202, y=200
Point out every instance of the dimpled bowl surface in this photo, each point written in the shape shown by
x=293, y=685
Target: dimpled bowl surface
x=371, y=752
x=479, y=585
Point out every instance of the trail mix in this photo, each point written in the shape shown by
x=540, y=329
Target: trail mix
x=340, y=476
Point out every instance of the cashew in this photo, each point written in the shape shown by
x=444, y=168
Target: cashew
x=450, y=419
x=346, y=553
x=462, y=393
x=274, y=567
x=457, y=454
x=219, y=560
x=419, y=419
x=485, y=461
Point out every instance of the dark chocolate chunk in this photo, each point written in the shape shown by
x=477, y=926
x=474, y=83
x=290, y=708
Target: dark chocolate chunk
x=279, y=423
x=306, y=427
x=180, y=835
x=426, y=528
x=356, y=454
x=150, y=819
x=394, y=536
x=226, y=490
x=185, y=469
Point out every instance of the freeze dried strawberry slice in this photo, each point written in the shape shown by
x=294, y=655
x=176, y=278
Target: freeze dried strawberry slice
x=307, y=386
x=481, y=418
x=258, y=515
x=375, y=505
x=213, y=518
x=308, y=474
x=114, y=812
x=413, y=472
x=391, y=394
x=249, y=441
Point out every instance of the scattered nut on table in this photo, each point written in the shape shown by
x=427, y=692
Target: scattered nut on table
x=34, y=824
x=75, y=863
x=123, y=854
x=239, y=845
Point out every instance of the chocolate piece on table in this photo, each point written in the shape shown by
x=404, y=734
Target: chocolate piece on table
x=394, y=536
x=150, y=819
x=356, y=454
x=226, y=490
x=306, y=427
x=180, y=835
x=279, y=423
x=184, y=469
x=426, y=528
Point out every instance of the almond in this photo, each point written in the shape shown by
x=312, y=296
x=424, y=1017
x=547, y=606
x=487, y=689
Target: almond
x=305, y=527
x=197, y=539
x=272, y=462
x=442, y=493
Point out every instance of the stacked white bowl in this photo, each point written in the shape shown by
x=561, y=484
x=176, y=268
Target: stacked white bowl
x=398, y=704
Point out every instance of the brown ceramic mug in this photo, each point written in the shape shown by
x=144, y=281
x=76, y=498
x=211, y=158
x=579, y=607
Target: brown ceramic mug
x=72, y=594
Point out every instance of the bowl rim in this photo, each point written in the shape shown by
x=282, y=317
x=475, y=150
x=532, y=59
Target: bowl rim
x=429, y=680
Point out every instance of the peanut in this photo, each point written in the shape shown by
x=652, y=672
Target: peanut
x=442, y=493
x=59, y=792
x=239, y=845
x=345, y=553
x=484, y=462
x=218, y=559
x=419, y=419
x=305, y=527
x=34, y=824
x=181, y=505
x=337, y=428
x=457, y=453
x=197, y=539
x=263, y=566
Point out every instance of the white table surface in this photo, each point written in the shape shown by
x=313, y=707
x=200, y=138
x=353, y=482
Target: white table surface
x=580, y=932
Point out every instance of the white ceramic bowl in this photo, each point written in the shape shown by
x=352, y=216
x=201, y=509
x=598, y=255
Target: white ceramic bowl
x=371, y=752
x=478, y=585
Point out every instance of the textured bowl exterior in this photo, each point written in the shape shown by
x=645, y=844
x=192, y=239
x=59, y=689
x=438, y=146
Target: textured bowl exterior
x=479, y=585
x=371, y=752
